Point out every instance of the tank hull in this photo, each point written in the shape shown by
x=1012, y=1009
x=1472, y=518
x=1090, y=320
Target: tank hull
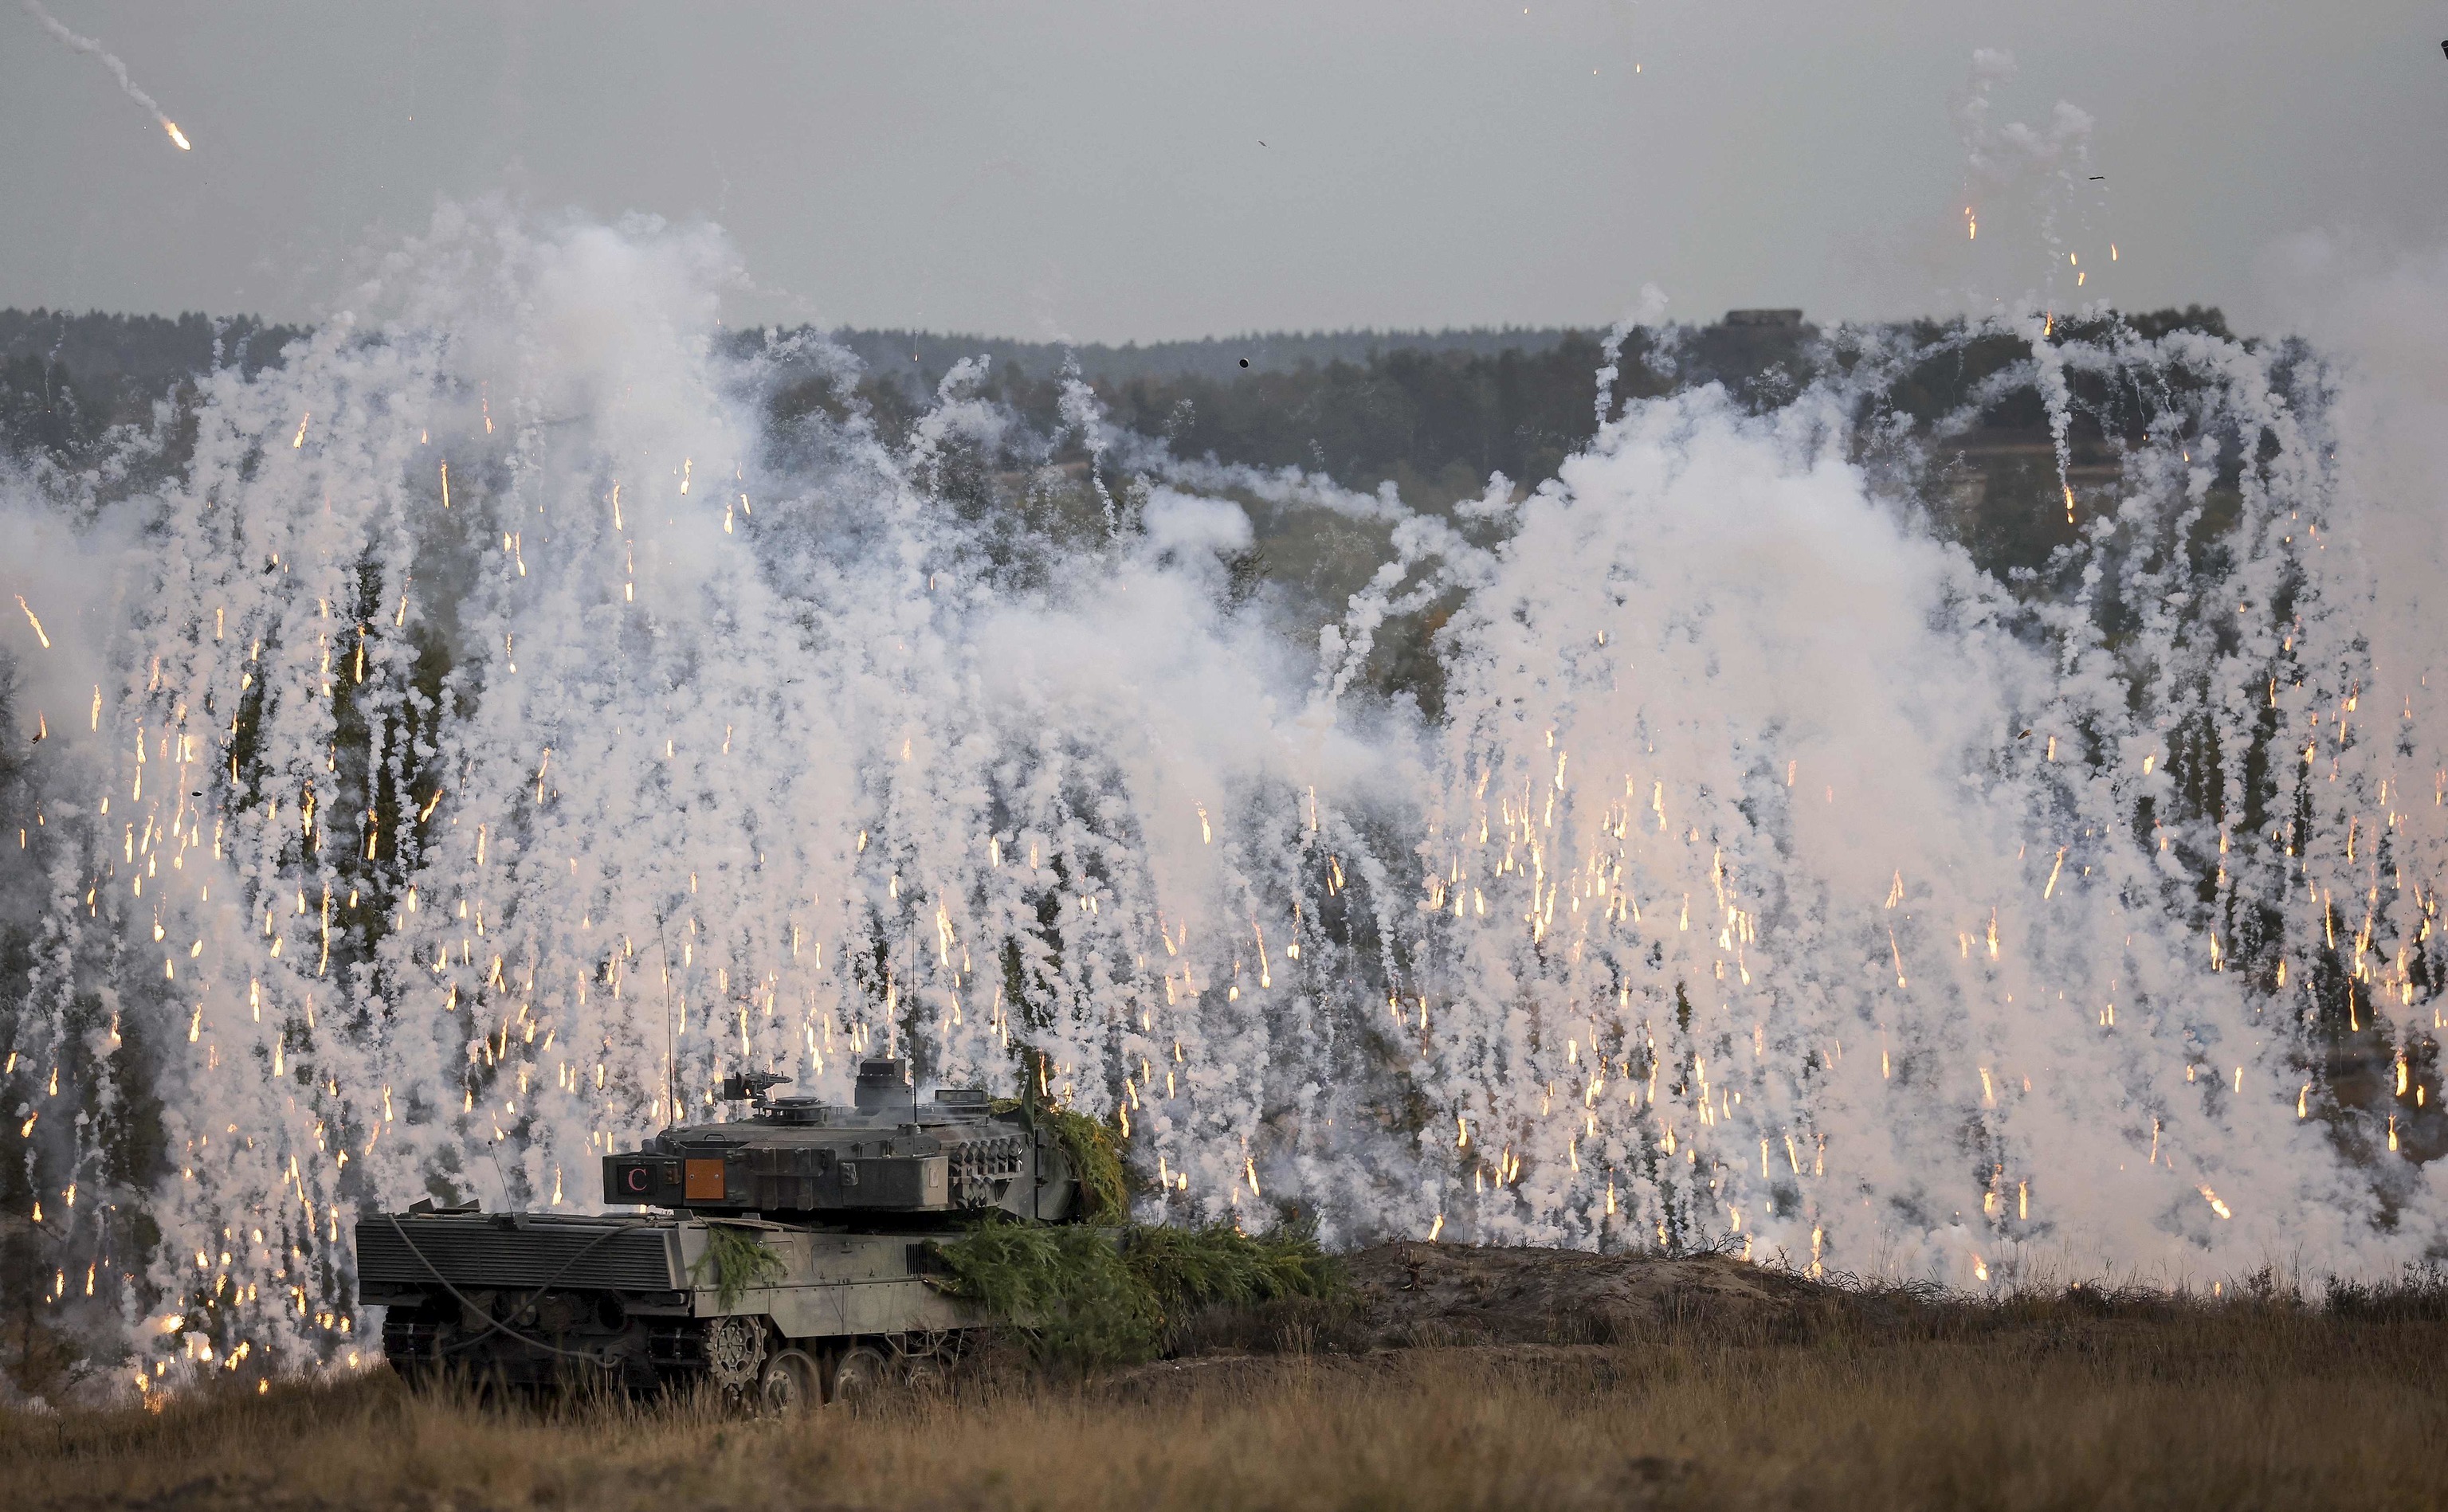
x=639, y=1303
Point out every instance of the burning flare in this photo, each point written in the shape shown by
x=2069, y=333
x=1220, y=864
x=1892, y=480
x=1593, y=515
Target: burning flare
x=119, y=70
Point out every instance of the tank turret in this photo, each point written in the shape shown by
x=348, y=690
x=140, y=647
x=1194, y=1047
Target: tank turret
x=787, y=1255
x=889, y=1156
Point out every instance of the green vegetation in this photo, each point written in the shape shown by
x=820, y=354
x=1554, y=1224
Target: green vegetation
x=1088, y=1144
x=1064, y=1286
x=739, y=1260
x=1086, y=1295
x=1104, y=1194
x=1220, y=1265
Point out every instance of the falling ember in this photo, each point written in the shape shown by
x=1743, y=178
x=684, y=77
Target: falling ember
x=46, y=640
x=176, y=134
x=2216, y=1207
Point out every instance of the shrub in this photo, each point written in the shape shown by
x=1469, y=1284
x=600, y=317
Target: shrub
x=1091, y=1295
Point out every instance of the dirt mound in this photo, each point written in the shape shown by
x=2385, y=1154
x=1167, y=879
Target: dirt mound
x=1411, y=1294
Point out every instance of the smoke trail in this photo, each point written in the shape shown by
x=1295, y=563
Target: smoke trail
x=1773, y=879
x=111, y=61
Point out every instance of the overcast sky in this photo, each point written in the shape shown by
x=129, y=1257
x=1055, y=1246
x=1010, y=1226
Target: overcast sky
x=1111, y=172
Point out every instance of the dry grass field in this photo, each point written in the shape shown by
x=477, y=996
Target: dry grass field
x=1687, y=1384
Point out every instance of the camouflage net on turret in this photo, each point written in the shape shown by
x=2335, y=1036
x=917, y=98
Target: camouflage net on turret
x=1104, y=1183
x=1091, y=1295
x=1104, y=1190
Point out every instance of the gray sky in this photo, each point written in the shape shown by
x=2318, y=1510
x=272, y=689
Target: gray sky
x=1094, y=171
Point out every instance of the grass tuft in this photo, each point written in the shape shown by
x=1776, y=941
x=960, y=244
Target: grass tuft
x=2187, y=1407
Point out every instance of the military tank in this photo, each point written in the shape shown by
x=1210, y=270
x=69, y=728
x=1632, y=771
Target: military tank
x=783, y=1258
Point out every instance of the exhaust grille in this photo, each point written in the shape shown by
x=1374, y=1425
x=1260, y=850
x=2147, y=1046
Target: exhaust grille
x=475, y=1250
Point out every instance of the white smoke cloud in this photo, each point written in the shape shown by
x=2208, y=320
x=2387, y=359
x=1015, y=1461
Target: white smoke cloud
x=1774, y=879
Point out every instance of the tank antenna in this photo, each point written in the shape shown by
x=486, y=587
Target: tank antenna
x=671, y=1069
x=509, y=1203
x=911, y=1051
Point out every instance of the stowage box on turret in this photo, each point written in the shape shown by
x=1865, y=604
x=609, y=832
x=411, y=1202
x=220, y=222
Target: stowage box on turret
x=783, y=1256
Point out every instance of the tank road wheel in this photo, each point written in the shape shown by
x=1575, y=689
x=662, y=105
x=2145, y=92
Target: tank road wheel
x=793, y=1383
x=859, y=1373
x=735, y=1347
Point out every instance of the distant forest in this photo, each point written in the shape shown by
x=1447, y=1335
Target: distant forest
x=67, y=379
x=1433, y=412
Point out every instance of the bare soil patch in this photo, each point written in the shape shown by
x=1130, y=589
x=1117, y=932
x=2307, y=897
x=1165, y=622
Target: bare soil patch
x=1432, y=1294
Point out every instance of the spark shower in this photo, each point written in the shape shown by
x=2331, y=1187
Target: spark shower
x=493, y=689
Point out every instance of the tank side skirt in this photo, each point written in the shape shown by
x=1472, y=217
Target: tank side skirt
x=836, y=1285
